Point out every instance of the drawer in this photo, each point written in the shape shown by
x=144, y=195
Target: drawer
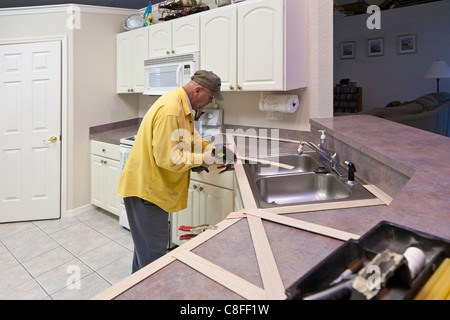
x=107, y=150
x=224, y=180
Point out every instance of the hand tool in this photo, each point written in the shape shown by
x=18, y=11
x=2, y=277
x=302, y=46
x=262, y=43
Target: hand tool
x=187, y=236
x=201, y=227
x=352, y=268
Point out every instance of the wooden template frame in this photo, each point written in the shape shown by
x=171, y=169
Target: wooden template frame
x=271, y=279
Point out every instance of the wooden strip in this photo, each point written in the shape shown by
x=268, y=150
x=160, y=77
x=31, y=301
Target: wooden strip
x=272, y=163
x=248, y=200
x=325, y=206
x=307, y=226
x=380, y=194
x=273, y=285
x=162, y=262
x=264, y=138
x=227, y=279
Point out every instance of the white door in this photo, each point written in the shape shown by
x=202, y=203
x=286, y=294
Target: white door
x=216, y=203
x=160, y=40
x=218, y=45
x=188, y=216
x=261, y=45
x=139, y=54
x=186, y=35
x=123, y=82
x=30, y=129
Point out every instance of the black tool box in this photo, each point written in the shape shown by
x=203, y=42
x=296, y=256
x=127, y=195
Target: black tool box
x=384, y=235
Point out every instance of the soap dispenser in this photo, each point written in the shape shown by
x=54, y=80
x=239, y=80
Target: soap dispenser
x=323, y=143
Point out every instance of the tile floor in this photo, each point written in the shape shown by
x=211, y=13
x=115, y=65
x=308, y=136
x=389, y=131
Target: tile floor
x=66, y=259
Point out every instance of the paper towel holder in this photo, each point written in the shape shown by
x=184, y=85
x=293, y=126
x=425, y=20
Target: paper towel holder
x=274, y=115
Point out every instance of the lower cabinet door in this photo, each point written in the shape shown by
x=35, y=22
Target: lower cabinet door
x=207, y=204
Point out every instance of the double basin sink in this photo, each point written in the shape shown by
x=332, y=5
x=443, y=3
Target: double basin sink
x=304, y=182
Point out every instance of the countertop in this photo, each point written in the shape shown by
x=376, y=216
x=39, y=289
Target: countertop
x=113, y=132
x=421, y=204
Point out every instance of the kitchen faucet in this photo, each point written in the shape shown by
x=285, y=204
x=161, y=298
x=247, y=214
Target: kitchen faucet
x=331, y=157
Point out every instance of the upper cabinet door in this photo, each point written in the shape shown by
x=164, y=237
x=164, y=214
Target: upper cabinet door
x=139, y=54
x=186, y=35
x=123, y=63
x=261, y=45
x=132, y=50
x=160, y=40
x=218, y=45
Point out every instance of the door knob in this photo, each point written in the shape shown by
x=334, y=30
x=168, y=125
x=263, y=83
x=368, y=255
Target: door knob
x=52, y=139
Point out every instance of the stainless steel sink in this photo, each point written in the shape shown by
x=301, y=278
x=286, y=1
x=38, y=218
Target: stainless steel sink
x=297, y=188
x=273, y=186
x=303, y=163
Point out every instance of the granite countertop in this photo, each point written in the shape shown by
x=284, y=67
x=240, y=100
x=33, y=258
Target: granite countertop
x=421, y=204
x=113, y=132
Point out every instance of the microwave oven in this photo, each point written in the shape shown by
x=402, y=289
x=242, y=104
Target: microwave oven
x=168, y=73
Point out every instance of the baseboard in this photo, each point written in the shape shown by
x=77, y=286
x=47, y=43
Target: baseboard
x=80, y=210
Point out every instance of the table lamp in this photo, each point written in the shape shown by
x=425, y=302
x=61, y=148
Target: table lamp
x=438, y=70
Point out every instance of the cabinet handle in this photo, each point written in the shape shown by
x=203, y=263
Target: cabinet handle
x=173, y=51
x=239, y=87
x=200, y=189
x=103, y=150
x=167, y=52
x=231, y=87
x=194, y=186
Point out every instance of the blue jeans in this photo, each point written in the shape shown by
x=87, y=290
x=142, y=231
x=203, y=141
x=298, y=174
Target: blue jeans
x=149, y=226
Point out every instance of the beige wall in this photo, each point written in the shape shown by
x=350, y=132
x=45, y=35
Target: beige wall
x=94, y=100
x=392, y=76
x=241, y=108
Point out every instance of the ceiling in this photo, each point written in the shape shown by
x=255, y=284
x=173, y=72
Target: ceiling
x=128, y=4
x=353, y=7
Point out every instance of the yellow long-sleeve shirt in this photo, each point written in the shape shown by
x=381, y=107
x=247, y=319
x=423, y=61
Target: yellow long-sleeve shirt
x=167, y=146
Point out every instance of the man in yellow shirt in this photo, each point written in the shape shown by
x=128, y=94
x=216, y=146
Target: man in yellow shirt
x=156, y=176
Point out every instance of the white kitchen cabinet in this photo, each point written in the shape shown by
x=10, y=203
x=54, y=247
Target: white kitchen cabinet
x=207, y=203
x=219, y=45
x=132, y=50
x=178, y=36
x=259, y=54
x=105, y=173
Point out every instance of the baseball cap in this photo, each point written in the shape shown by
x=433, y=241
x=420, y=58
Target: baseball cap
x=209, y=80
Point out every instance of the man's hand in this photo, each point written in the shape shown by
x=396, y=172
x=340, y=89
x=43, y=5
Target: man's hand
x=208, y=158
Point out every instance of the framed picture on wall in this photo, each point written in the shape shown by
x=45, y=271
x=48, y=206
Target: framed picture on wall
x=407, y=43
x=375, y=47
x=347, y=50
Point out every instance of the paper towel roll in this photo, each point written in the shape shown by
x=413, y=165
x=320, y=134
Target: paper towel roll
x=280, y=103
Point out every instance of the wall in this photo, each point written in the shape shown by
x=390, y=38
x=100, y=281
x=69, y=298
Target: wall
x=392, y=76
x=241, y=108
x=95, y=101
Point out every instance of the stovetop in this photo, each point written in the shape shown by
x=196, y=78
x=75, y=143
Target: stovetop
x=129, y=141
